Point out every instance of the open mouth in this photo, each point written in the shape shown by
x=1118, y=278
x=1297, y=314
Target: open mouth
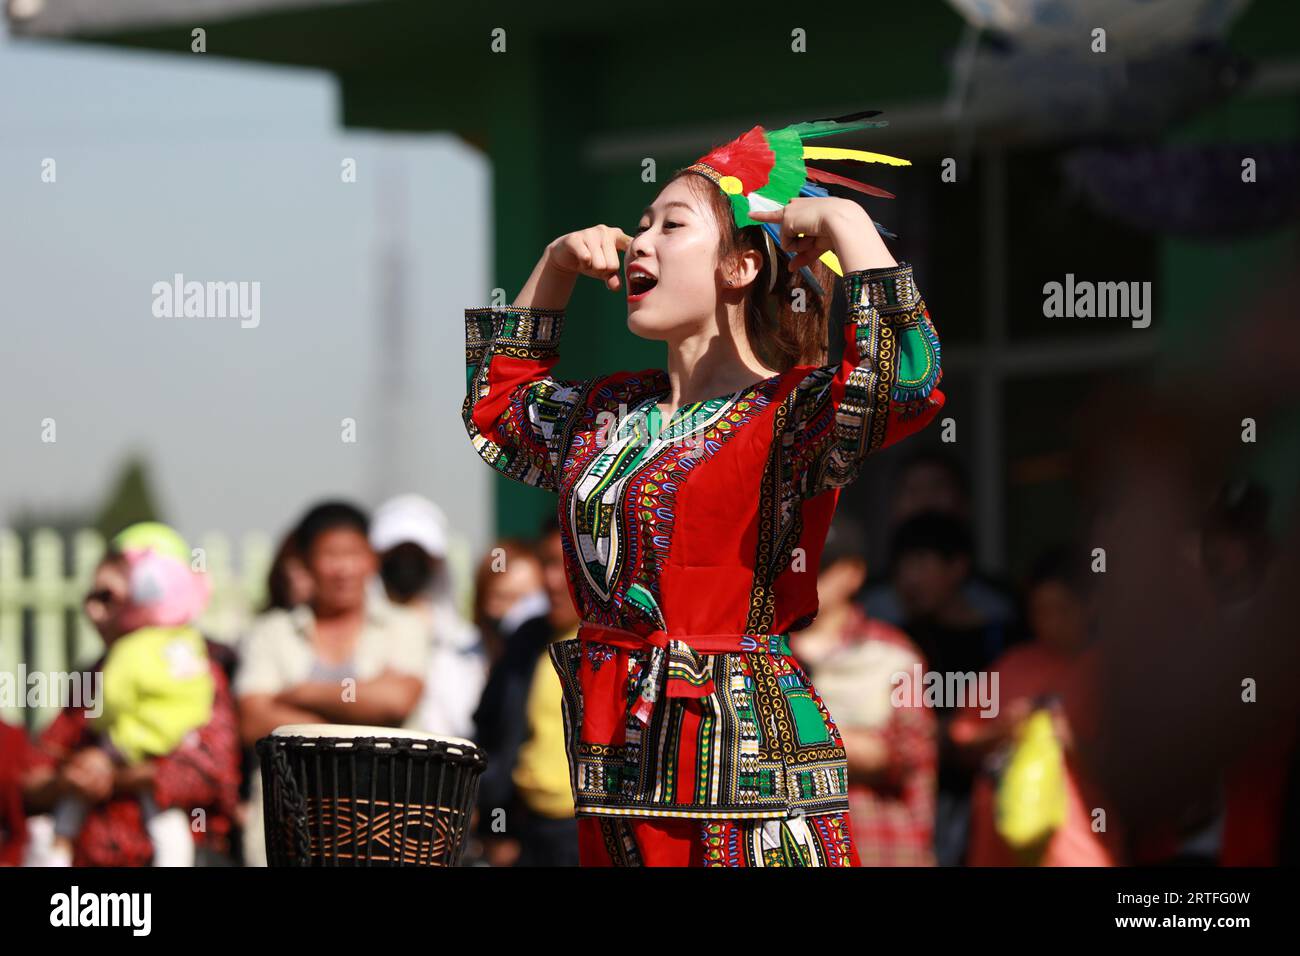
x=638, y=284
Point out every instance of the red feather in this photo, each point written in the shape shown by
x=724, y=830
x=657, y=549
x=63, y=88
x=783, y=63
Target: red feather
x=822, y=176
x=747, y=157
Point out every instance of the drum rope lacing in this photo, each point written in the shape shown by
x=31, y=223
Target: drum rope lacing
x=292, y=804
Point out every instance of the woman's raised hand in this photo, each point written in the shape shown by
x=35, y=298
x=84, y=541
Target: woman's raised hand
x=594, y=251
x=813, y=225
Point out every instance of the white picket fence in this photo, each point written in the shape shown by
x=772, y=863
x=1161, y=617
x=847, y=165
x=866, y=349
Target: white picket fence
x=62, y=640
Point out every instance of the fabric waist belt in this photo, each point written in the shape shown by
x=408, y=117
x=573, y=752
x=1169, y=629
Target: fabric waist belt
x=675, y=667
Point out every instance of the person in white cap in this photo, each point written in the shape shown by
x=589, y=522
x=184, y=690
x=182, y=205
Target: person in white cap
x=409, y=533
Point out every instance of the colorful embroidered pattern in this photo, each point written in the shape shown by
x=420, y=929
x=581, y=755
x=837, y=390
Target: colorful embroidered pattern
x=761, y=745
x=791, y=841
x=527, y=422
x=828, y=440
x=712, y=525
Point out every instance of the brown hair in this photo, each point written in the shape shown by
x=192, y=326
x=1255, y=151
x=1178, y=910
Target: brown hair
x=781, y=336
x=279, y=588
x=512, y=549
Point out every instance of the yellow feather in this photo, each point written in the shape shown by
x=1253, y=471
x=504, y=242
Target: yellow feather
x=833, y=261
x=862, y=156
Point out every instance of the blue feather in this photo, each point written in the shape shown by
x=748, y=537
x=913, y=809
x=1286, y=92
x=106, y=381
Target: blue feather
x=804, y=270
x=812, y=281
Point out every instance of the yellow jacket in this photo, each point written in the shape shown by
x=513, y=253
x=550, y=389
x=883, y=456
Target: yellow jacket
x=541, y=772
x=157, y=688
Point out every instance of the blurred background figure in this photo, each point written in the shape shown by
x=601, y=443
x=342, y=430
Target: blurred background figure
x=1192, y=682
x=287, y=582
x=288, y=585
x=177, y=771
x=1238, y=818
x=1032, y=676
x=892, y=754
x=931, y=563
x=292, y=661
x=409, y=534
x=346, y=657
x=157, y=682
x=17, y=757
x=525, y=799
x=1237, y=552
x=931, y=482
x=1236, y=548
x=508, y=590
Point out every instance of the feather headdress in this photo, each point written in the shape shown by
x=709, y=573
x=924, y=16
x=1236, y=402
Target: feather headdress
x=765, y=170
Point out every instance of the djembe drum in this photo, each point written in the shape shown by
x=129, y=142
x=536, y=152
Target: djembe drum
x=338, y=795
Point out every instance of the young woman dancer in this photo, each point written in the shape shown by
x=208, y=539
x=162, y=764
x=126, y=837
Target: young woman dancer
x=694, y=502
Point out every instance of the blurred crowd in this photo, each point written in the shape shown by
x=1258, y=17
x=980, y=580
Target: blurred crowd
x=165, y=775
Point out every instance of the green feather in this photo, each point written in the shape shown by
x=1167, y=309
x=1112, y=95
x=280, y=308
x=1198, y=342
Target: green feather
x=740, y=210
x=818, y=128
x=788, y=174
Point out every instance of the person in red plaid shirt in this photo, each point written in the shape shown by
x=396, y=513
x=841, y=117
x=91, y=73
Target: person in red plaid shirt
x=892, y=751
x=201, y=774
x=16, y=758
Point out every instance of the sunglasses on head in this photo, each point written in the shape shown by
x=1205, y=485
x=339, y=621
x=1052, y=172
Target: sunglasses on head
x=102, y=596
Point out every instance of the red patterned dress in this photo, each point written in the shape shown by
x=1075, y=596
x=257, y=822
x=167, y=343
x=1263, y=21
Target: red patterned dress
x=692, y=549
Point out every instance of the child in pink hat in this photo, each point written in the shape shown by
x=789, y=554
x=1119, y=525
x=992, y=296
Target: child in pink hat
x=157, y=685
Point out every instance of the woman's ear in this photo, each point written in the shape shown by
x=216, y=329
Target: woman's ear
x=743, y=269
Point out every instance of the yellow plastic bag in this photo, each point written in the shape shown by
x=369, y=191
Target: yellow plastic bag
x=1030, y=801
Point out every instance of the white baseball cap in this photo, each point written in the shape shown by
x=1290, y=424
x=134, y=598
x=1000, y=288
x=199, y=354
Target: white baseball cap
x=409, y=519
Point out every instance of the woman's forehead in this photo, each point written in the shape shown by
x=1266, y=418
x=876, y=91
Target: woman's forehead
x=676, y=195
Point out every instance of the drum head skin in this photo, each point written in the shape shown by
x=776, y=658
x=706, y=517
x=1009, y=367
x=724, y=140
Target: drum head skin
x=362, y=732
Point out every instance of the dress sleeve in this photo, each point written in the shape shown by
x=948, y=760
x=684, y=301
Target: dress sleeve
x=883, y=390
x=515, y=412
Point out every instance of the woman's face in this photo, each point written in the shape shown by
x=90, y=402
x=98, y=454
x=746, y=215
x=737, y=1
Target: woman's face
x=1058, y=617
x=676, y=242
x=340, y=562
x=109, y=590
x=519, y=578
